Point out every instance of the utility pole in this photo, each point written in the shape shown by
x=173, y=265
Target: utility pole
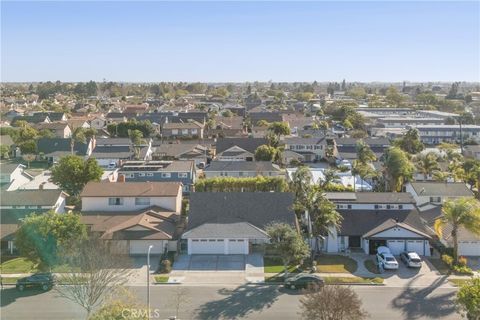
x=148, y=280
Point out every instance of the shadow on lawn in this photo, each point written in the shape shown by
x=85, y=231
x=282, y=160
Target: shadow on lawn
x=417, y=303
x=239, y=302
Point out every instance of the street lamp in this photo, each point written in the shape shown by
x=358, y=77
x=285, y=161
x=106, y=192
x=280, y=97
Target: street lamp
x=148, y=280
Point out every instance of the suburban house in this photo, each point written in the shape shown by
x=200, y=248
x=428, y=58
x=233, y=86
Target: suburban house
x=161, y=171
x=435, y=193
x=55, y=148
x=16, y=205
x=228, y=126
x=436, y=134
x=238, y=149
x=346, y=148
x=13, y=175
x=468, y=243
x=312, y=149
x=59, y=129
x=235, y=222
x=183, y=130
x=181, y=151
x=53, y=116
x=36, y=118
x=256, y=117
x=132, y=216
x=241, y=169
x=98, y=123
x=109, y=152
x=373, y=219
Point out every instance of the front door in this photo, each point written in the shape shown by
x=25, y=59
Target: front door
x=354, y=241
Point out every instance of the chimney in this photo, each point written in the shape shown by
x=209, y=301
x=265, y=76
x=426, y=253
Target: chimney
x=41, y=186
x=121, y=178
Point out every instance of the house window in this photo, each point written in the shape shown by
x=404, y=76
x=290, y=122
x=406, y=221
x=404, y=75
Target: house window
x=194, y=131
x=149, y=174
x=389, y=206
x=174, y=131
x=115, y=201
x=240, y=173
x=141, y=174
x=185, y=131
x=166, y=175
x=400, y=206
x=183, y=175
x=142, y=201
x=435, y=199
x=377, y=206
x=130, y=175
x=349, y=206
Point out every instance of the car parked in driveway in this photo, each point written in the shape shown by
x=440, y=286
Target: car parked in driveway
x=386, y=258
x=411, y=259
x=303, y=281
x=45, y=281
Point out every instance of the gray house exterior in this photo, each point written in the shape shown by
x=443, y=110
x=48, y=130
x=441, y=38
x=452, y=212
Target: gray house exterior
x=160, y=171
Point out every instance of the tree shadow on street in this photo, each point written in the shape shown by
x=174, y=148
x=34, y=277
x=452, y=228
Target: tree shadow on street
x=239, y=302
x=417, y=303
x=11, y=294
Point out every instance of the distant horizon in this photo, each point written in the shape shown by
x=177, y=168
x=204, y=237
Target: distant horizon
x=238, y=42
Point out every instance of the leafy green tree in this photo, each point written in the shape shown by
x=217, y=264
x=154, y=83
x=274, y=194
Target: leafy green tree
x=72, y=173
x=45, y=133
x=43, y=238
x=398, y=168
x=330, y=177
x=265, y=153
x=427, y=164
x=394, y=98
x=410, y=142
x=4, y=151
x=28, y=147
x=364, y=153
x=468, y=299
x=279, y=129
x=288, y=243
x=227, y=113
x=26, y=133
x=323, y=213
x=300, y=185
x=459, y=213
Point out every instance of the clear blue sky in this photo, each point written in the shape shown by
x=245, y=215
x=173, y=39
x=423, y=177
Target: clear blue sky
x=240, y=41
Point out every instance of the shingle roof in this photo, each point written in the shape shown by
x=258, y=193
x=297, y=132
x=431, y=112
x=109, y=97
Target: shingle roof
x=116, y=152
x=113, y=142
x=30, y=197
x=452, y=189
x=226, y=227
x=392, y=223
x=230, y=208
x=300, y=140
x=372, y=197
x=160, y=166
x=184, y=125
x=359, y=222
x=50, y=145
x=8, y=167
x=256, y=166
x=177, y=149
x=131, y=189
x=248, y=144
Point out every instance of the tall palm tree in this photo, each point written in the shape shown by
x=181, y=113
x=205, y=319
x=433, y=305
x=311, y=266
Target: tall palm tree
x=427, y=164
x=365, y=153
x=330, y=176
x=300, y=185
x=459, y=213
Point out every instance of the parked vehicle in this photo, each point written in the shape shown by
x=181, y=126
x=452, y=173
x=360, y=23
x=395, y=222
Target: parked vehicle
x=45, y=281
x=303, y=281
x=411, y=259
x=112, y=165
x=386, y=258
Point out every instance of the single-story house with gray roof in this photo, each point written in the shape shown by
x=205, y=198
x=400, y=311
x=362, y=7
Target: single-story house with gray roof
x=234, y=222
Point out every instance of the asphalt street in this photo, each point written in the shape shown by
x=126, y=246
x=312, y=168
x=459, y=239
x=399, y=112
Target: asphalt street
x=240, y=302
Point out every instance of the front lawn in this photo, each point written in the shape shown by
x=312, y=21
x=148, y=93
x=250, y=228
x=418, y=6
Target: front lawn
x=352, y=280
x=458, y=282
x=331, y=263
x=18, y=265
x=161, y=279
x=371, y=266
x=275, y=265
x=10, y=280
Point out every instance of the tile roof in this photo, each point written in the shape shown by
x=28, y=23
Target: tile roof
x=131, y=189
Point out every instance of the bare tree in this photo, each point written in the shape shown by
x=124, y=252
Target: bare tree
x=332, y=303
x=95, y=274
x=179, y=298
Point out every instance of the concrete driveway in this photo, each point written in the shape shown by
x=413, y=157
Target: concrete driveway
x=234, y=269
x=138, y=270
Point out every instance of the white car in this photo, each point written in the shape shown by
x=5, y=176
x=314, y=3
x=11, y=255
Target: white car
x=386, y=258
x=411, y=259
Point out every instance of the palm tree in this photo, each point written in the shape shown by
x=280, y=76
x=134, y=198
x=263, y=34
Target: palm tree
x=398, y=167
x=427, y=164
x=459, y=213
x=365, y=153
x=78, y=135
x=300, y=185
x=330, y=176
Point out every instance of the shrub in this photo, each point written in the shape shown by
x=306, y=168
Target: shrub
x=462, y=270
x=462, y=261
x=448, y=260
x=165, y=266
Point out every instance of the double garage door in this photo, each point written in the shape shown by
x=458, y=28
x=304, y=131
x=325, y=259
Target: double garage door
x=398, y=246
x=218, y=246
x=469, y=248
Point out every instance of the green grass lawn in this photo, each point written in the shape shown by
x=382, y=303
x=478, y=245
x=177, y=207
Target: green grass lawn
x=12, y=280
x=440, y=266
x=371, y=266
x=275, y=265
x=161, y=279
x=17, y=265
x=336, y=264
x=458, y=282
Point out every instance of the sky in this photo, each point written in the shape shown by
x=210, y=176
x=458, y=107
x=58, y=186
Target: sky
x=240, y=41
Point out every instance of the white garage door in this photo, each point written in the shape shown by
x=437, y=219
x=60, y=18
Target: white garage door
x=207, y=246
x=141, y=246
x=416, y=246
x=237, y=246
x=469, y=248
x=396, y=246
